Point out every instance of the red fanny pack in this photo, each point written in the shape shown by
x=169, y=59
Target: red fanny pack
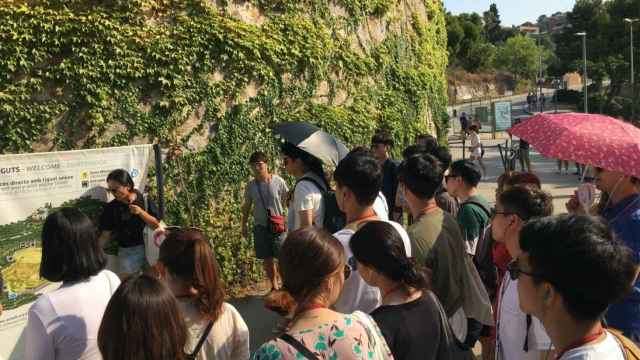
x=278, y=224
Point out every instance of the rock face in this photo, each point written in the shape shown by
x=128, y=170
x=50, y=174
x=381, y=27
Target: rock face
x=364, y=44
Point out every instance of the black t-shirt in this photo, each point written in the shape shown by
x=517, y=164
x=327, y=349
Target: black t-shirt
x=524, y=145
x=390, y=182
x=125, y=227
x=412, y=330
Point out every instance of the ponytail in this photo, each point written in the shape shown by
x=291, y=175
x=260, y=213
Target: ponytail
x=187, y=255
x=379, y=245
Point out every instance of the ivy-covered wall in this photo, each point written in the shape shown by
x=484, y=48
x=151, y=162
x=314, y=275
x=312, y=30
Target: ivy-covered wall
x=217, y=75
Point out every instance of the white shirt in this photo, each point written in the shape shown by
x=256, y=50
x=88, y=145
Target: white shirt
x=306, y=196
x=64, y=323
x=609, y=349
x=512, y=327
x=229, y=336
x=381, y=207
x=356, y=293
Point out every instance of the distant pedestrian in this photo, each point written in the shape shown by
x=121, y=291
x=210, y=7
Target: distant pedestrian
x=266, y=194
x=464, y=125
x=381, y=145
x=543, y=100
x=477, y=150
x=525, y=161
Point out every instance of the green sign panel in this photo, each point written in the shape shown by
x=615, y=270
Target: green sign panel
x=502, y=115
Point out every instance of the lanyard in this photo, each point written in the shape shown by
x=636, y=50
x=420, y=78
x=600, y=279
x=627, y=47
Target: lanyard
x=580, y=342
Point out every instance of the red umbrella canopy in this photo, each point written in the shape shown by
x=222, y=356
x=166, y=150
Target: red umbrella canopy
x=597, y=140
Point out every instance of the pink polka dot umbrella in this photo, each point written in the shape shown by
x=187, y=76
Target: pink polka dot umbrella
x=597, y=140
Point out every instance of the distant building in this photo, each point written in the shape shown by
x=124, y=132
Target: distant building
x=529, y=28
x=554, y=23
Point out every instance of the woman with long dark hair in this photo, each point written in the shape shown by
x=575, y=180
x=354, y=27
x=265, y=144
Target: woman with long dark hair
x=124, y=219
x=305, y=202
x=313, y=268
x=142, y=322
x=189, y=267
x=63, y=323
x=410, y=317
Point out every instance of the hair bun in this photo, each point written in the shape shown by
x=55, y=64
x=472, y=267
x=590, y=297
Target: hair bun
x=280, y=301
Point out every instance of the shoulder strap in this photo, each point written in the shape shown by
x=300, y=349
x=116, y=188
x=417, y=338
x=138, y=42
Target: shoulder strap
x=478, y=204
x=203, y=337
x=322, y=188
x=264, y=204
x=525, y=347
x=299, y=346
x=629, y=349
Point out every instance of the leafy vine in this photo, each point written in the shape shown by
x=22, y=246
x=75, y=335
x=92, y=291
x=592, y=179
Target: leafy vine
x=89, y=73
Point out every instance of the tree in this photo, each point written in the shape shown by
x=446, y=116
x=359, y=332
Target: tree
x=520, y=56
x=607, y=43
x=481, y=57
x=492, y=27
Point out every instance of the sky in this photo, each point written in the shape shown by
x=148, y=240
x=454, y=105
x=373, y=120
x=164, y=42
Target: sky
x=512, y=12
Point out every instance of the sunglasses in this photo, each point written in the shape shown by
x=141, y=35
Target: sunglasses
x=514, y=271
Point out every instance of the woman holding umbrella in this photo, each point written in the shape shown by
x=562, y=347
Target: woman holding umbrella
x=306, y=147
x=305, y=200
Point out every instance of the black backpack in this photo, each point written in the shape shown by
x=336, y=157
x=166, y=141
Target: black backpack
x=334, y=219
x=483, y=257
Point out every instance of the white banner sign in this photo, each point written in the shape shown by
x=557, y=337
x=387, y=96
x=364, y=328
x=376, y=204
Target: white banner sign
x=30, y=186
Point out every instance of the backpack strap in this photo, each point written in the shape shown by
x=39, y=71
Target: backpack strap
x=629, y=349
x=299, y=346
x=525, y=347
x=203, y=337
x=478, y=204
x=322, y=188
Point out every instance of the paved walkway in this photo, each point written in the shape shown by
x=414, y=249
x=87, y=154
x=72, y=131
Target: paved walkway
x=561, y=187
x=261, y=321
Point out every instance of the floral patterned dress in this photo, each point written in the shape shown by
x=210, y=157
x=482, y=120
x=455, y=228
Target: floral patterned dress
x=352, y=337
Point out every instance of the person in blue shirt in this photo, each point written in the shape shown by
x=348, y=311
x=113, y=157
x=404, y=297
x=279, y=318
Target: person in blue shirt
x=623, y=215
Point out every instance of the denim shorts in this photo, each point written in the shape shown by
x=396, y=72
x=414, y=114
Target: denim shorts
x=266, y=244
x=131, y=259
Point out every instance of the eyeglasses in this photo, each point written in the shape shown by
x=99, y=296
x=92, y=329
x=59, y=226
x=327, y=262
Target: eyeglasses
x=495, y=212
x=515, y=271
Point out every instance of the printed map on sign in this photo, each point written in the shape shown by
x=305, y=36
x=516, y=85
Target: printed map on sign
x=31, y=187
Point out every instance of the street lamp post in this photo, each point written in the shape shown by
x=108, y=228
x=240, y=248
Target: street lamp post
x=584, y=69
x=633, y=84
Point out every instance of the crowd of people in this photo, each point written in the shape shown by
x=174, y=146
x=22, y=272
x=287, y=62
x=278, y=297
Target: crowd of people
x=380, y=260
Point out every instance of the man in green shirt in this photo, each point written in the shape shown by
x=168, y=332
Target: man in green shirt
x=437, y=243
x=474, y=212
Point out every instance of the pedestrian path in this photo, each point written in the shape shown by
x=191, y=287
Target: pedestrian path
x=560, y=186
